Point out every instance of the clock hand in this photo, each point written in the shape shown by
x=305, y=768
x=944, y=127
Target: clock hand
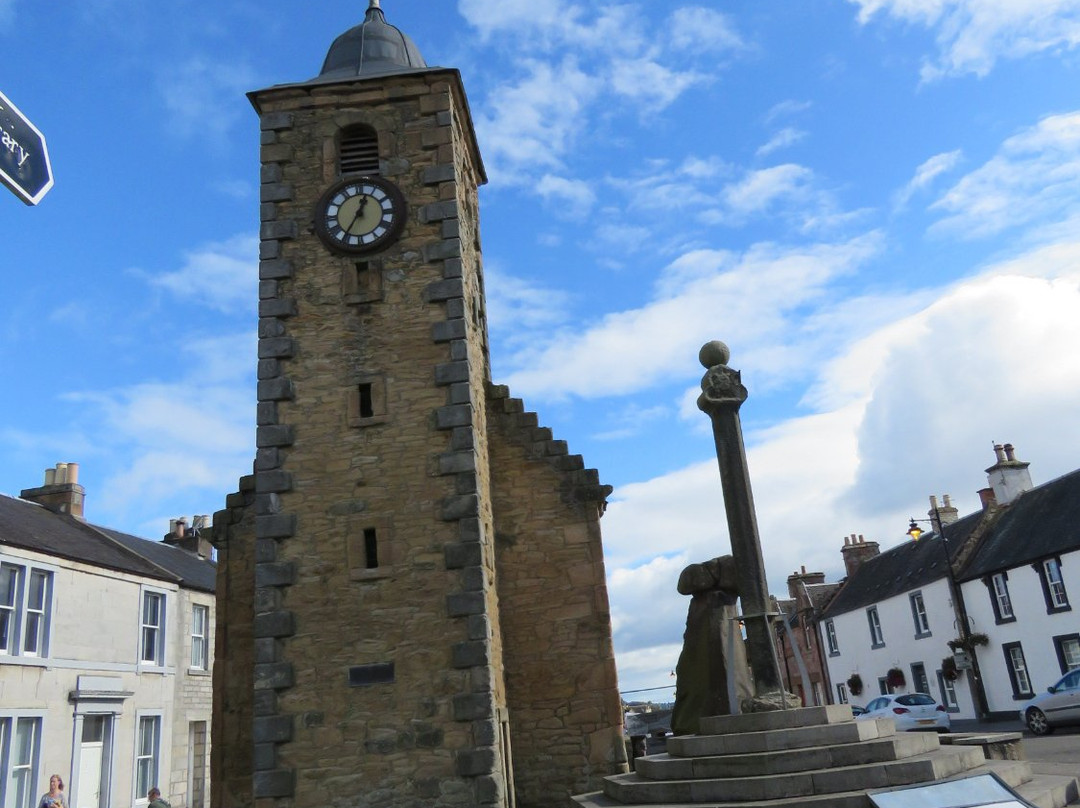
x=357, y=215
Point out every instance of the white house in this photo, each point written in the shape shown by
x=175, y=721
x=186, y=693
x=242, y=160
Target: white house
x=106, y=644
x=996, y=582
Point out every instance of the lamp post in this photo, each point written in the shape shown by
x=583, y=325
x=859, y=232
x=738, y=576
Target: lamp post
x=959, y=609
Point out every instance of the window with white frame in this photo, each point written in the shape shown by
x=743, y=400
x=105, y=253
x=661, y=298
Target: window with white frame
x=877, y=639
x=918, y=614
x=1057, y=600
x=919, y=682
x=841, y=693
x=20, y=752
x=1068, y=651
x=830, y=638
x=152, y=635
x=999, y=598
x=200, y=637
x=1018, y=671
x=147, y=754
x=947, y=684
x=26, y=594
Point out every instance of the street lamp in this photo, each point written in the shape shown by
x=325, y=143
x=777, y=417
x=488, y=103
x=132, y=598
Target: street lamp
x=959, y=609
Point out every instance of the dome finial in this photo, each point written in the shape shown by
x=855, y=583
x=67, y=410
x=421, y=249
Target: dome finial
x=374, y=7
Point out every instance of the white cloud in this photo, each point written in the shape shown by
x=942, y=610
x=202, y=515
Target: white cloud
x=1035, y=176
x=631, y=420
x=788, y=136
x=222, y=276
x=786, y=109
x=633, y=350
x=651, y=85
x=972, y=35
x=490, y=16
x=922, y=397
x=926, y=173
x=200, y=95
x=759, y=189
x=532, y=123
x=703, y=28
x=515, y=305
x=572, y=197
x=619, y=66
x=185, y=438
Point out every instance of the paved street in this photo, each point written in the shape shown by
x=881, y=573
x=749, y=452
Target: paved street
x=1058, y=753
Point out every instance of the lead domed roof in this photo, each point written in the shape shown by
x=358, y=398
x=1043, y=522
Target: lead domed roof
x=372, y=48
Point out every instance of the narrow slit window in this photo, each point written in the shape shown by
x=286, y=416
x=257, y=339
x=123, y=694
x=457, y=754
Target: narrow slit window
x=359, y=152
x=367, y=408
x=371, y=548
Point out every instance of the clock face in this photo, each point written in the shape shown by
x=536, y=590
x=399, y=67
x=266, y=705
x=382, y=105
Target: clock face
x=360, y=215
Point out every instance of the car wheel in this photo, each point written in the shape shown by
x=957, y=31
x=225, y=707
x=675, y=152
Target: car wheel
x=1037, y=723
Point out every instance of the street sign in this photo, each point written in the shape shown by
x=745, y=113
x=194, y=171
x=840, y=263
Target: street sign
x=24, y=158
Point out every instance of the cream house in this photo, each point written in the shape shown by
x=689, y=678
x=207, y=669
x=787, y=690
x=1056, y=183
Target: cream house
x=106, y=649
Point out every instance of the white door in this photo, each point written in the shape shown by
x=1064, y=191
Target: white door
x=91, y=762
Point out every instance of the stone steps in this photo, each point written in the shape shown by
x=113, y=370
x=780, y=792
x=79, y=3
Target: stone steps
x=894, y=747
x=807, y=757
x=937, y=764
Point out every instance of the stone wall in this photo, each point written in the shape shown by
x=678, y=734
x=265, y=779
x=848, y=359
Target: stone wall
x=369, y=629
x=380, y=678
x=234, y=651
x=562, y=689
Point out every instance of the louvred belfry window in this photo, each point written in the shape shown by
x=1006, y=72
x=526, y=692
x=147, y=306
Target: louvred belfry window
x=359, y=152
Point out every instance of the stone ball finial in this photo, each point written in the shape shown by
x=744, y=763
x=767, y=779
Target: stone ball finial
x=714, y=353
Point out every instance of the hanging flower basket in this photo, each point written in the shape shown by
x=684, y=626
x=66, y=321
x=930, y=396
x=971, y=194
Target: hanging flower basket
x=969, y=643
x=949, y=670
x=854, y=684
x=895, y=678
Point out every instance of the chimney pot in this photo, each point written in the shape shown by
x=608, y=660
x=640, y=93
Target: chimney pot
x=948, y=500
x=999, y=450
x=50, y=476
x=933, y=501
x=1010, y=453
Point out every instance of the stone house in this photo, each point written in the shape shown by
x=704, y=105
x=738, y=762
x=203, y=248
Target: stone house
x=105, y=655
x=996, y=584
x=800, y=650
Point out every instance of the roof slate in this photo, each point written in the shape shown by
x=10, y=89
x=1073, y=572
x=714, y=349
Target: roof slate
x=902, y=569
x=1042, y=522
x=33, y=527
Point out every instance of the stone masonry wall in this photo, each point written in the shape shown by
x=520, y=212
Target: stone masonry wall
x=234, y=651
x=373, y=682
x=562, y=688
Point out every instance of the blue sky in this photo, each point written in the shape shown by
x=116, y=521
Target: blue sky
x=875, y=203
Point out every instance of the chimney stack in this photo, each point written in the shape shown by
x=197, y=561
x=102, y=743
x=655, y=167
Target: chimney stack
x=947, y=513
x=61, y=492
x=1008, y=477
x=798, y=579
x=857, y=551
x=191, y=538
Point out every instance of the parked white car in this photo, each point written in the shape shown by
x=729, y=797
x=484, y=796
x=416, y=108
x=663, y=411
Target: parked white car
x=910, y=711
x=1060, y=704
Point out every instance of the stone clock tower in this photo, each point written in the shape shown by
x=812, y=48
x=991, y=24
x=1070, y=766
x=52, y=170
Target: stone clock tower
x=411, y=602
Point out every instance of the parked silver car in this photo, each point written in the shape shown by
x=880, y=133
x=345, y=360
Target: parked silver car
x=1060, y=704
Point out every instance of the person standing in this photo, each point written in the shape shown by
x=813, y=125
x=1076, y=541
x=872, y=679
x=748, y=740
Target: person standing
x=54, y=798
x=154, y=795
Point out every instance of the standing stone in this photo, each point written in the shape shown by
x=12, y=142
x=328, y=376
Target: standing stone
x=722, y=394
x=712, y=675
